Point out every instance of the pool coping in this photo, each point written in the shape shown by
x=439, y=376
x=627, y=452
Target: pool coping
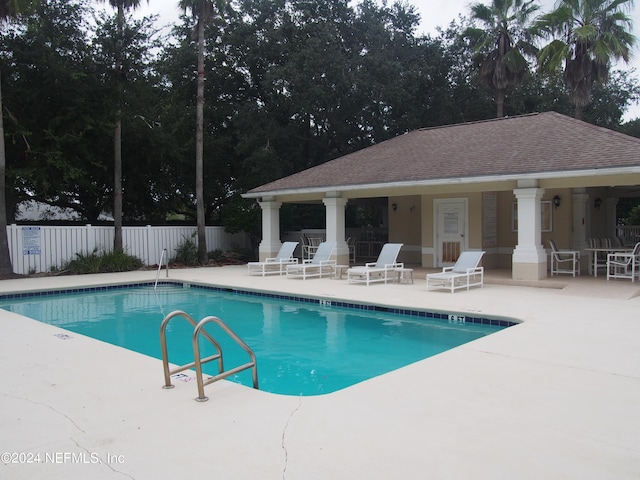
x=450, y=317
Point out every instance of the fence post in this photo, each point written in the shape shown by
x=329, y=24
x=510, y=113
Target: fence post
x=90, y=238
x=148, y=242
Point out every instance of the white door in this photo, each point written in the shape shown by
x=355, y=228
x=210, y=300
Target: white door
x=451, y=230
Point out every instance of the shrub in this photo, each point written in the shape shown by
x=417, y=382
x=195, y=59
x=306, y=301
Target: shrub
x=104, y=262
x=186, y=252
x=233, y=257
x=242, y=254
x=216, y=255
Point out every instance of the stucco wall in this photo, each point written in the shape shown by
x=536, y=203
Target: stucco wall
x=412, y=223
x=405, y=215
x=562, y=219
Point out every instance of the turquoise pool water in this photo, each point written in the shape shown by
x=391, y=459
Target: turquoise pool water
x=302, y=347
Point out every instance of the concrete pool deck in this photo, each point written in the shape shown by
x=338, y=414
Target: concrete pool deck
x=555, y=397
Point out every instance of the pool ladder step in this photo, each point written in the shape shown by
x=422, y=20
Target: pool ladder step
x=198, y=361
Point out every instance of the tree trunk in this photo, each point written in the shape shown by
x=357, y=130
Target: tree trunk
x=200, y=218
x=578, y=112
x=117, y=141
x=6, y=269
x=500, y=94
x=117, y=184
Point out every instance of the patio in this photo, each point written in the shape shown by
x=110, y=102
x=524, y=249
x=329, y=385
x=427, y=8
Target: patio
x=555, y=397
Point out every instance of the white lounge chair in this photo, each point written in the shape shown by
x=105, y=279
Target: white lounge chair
x=569, y=258
x=275, y=264
x=383, y=270
x=320, y=264
x=624, y=264
x=464, y=274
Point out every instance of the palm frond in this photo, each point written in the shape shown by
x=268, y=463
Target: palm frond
x=552, y=56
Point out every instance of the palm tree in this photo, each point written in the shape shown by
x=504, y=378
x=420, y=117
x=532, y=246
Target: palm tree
x=502, y=44
x=121, y=5
x=586, y=36
x=9, y=9
x=203, y=12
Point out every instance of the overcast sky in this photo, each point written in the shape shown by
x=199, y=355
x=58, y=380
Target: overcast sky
x=433, y=13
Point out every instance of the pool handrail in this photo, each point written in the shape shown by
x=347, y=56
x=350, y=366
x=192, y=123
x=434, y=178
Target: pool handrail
x=197, y=360
x=162, y=255
x=165, y=353
x=252, y=364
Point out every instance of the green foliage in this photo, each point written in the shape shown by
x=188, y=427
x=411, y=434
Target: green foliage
x=584, y=37
x=102, y=262
x=235, y=256
x=186, y=252
x=289, y=85
x=502, y=44
x=240, y=254
x=633, y=217
x=631, y=128
x=627, y=211
x=216, y=255
x=242, y=215
x=297, y=216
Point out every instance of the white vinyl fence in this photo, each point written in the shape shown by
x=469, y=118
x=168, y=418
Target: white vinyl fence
x=36, y=249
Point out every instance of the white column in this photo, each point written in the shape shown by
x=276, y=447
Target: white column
x=529, y=261
x=335, y=225
x=270, y=244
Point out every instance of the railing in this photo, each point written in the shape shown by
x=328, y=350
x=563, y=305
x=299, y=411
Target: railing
x=197, y=363
x=196, y=355
x=628, y=234
x=164, y=254
x=165, y=352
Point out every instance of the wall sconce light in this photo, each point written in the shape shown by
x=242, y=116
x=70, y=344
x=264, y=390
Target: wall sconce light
x=556, y=201
x=394, y=206
x=597, y=203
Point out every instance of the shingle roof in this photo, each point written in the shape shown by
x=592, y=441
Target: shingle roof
x=528, y=144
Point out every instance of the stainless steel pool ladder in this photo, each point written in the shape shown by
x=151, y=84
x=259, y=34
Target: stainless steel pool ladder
x=197, y=331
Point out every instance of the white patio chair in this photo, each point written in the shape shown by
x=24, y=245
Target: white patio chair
x=624, y=264
x=382, y=270
x=599, y=257
x=351, y=245
x=310, y=246
x=564, y=261
x=465, y=273
x=320, y=264
x=275, y=264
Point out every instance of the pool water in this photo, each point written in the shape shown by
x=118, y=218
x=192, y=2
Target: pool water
x=301, y=348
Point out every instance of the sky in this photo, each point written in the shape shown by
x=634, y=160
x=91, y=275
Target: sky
x=434, y=14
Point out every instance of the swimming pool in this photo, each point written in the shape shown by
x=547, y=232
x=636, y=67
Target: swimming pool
x=304, y=346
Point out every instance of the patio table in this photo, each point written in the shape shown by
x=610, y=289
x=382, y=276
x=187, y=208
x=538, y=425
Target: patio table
x=593, y=256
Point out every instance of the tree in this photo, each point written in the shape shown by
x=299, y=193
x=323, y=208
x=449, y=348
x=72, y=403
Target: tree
x=8, y=11
x=121, y=5
x=60, y=132
x=503, y=44
x=203, y=12
x=588, y=35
